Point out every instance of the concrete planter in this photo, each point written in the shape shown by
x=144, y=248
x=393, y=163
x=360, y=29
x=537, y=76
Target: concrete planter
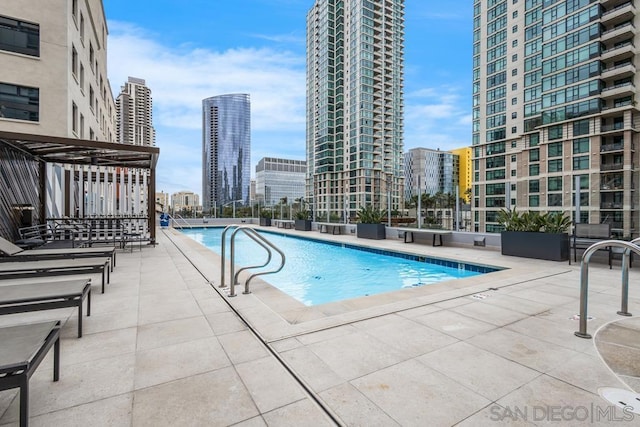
x=302, y=224
x=528, y=244
x=371, y=231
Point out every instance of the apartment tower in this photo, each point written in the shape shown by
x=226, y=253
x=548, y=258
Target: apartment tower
x=134, y=114
x=279, y=178
x=554, y=86
x=226, y=150
x=354, y=136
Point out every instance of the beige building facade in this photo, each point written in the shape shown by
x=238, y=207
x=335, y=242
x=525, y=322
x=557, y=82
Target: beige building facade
x=554, y=86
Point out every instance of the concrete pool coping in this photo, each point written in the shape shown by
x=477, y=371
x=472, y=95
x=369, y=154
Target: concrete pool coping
x=275, y=315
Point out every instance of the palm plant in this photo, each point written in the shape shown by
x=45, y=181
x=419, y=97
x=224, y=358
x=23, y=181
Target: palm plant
x=371, y=215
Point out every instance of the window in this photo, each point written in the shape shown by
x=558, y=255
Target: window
x=514, y=129
x=91, y=97
x=534, y=201
x=19, y=36
x=74, y=61
x=534, y=139
x=514, y=43
x=581, y=127
x=580, y=145
x=554, y=149
x=554, y=199
x=91, y=56
x=513, y=172
x=74, y=8
x=514, y=72
x=82, y=28
x=581, y=162
x=19, y=102
x=554, y=183
x=514, y=29
x=81, y=126
x=82, y=77
x=534, y=186
x=555, y=132
x=514, y=101
x=514, y=115
x=74, y=118
x=534, y=170
x=514, y=86
x=514, y=57
x=513, y=158
x=534, y=155
x=554, y=165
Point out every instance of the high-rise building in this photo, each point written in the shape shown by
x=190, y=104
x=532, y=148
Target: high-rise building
x=430, y=171
x=53, y=82
x=134, y=114
x=554, y=86
x=226, y=150
x=465, y=174
x=53, y=79
x=279, y=178
x=185, y=201
x=355, y=71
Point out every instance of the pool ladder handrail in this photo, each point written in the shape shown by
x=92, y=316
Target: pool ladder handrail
x=584, y=278
x=256, y=237
x=177, y=216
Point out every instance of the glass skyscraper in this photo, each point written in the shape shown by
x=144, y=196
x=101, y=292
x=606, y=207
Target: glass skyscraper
x=554, y=86
x=226, y=150
x=355, y=72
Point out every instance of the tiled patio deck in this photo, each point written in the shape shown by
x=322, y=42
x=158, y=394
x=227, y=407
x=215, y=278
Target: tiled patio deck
x=163, y=347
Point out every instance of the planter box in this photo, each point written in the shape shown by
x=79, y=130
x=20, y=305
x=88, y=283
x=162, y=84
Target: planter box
x=371, y=231
x=527, y=244
x=265, y=222
x=303, y=224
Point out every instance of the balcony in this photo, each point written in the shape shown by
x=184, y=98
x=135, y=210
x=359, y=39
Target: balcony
x=618, y=146
x=618, y=72
x=611, y=166
x=617, y=91
x=618, y=53
x=618, y=14
x=618, y=34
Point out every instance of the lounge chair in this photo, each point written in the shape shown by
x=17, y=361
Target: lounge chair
x=46, y=296
x=16, y=253
x=23, y=348
x=13, y=270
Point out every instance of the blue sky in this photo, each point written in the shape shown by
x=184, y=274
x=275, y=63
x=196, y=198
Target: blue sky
x=189, y=50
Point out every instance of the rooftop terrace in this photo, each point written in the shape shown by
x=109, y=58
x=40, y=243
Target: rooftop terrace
x=164, y=347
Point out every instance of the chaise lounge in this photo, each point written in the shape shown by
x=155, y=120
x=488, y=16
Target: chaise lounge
x=12, y=252
x=23, y=348
x=14, y=270
x=38, y=296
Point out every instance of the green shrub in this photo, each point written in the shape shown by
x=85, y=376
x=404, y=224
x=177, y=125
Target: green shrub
x=553, y=222
x=371, y=215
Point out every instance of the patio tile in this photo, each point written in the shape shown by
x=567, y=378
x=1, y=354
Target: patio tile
x=301, y=413
x=533, y=353
x=554, y=332
x=111, y=412
x=182, y=360
x=172, y=332
x=414, y=394
x=548, y=401
x=225, y=323
x=483, y=372
x=313, y=370
x=353, y=407
x=213, y=398
x=260, y=376
x=353, y=355
x=573, y=371
x=490, y=314
x=97, y=346
x=82, y=383
x=454, y=324
x=242, y=347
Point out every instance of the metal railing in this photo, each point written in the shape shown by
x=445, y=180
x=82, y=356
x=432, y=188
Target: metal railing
x=184, y=221
x=259, y=239
x=584, y=278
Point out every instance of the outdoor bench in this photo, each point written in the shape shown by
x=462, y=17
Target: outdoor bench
x=330, y=227
x=409, y=234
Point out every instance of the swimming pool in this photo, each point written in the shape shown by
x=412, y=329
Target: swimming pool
x=318, y=272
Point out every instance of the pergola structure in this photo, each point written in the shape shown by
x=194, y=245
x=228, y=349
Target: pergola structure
x=24, y=182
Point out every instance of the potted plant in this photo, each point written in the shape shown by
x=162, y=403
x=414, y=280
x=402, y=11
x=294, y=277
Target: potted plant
x=535, y=235
x=265, y=218
x=302, y=221
x=370, y=224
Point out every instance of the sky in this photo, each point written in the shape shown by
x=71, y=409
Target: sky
x=190, y=50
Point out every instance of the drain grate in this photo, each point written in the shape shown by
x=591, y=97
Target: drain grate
x=625, y=399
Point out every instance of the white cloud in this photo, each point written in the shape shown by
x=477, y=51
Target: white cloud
x=181, y=78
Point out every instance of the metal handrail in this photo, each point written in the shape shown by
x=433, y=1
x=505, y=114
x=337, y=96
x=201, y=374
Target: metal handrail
x=584, y=278
x=183, y=220
x=255, y=236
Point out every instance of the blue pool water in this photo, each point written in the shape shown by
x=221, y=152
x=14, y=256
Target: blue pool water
x=318, y=272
